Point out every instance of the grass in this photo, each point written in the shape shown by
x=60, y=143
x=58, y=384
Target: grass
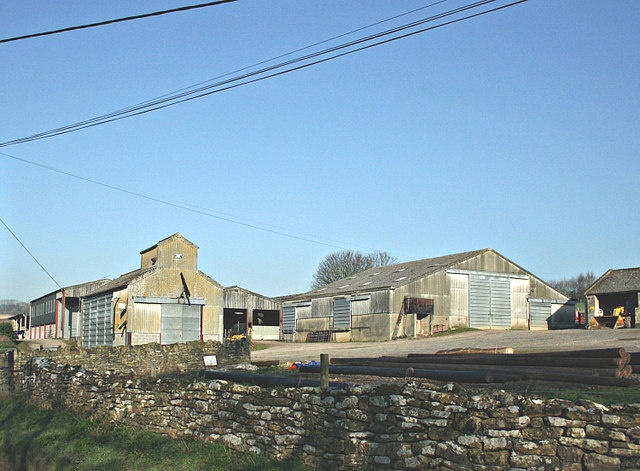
x=605, y=396
x=53, y=440
x=259, y=346
x=455, y=330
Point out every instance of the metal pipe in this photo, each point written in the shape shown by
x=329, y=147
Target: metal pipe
x=610, y=372
x=439, y=375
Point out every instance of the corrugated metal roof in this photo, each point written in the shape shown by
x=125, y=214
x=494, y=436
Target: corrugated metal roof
x=616, y=281
x=121, y=281
x=390, y=276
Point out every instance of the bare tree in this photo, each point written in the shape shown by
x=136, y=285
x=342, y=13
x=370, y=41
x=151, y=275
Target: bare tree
x=339, y=265
x=576, y=286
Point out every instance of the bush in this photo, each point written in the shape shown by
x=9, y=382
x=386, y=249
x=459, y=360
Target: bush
x=6, y=328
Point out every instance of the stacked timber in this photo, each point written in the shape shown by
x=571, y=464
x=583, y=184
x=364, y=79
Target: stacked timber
x=608, y=367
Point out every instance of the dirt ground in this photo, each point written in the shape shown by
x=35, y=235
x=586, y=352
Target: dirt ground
x=520, y=341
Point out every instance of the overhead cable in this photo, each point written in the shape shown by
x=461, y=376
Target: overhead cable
x=184, y=207
x=228, y=84
x=29, y=252
x=118, y=20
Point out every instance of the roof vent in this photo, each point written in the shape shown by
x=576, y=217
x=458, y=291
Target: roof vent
x=401, y=278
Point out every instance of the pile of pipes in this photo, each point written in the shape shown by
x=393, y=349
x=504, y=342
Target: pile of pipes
x=607, y=367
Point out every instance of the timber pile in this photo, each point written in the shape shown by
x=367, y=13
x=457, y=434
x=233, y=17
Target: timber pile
x=607, y=367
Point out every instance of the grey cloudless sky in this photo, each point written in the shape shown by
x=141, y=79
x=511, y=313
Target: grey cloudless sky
x=517, y=130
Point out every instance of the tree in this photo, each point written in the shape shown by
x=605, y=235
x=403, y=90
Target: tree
x=576, y=286
x=339, y=265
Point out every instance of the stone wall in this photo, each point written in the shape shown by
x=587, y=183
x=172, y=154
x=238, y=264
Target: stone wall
x=397, y=426
x=148, y=359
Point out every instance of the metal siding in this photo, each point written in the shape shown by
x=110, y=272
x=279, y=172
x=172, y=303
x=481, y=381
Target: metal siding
x=190, y=323
x=146, y=319
x=500, y=303
x=489, y=301
x=539, y=312
x=180, y=323
x=360, y=307
x=479, y=301
x=96, y=321
x=288, y=319
x=459, y=298
x=519, y=294
x=342, y=313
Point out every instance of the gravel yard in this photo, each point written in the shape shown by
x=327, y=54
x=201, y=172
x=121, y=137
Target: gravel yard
x=521, y=341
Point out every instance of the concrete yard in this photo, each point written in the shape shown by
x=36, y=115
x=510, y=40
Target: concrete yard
x=522, y=341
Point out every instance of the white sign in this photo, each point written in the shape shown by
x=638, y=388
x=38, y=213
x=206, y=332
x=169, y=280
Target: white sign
x=210, y=360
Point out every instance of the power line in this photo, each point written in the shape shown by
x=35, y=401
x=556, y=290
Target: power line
x=154, y=105
x=174, y=204
x=29, y=252
x=118, y=20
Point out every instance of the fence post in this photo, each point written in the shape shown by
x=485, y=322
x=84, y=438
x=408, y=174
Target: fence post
x=324, y=370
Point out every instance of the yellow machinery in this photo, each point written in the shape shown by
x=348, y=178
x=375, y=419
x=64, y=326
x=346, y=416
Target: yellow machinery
x=620, y=318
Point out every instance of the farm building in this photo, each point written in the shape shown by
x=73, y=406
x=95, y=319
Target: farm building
x=479, y=289
x=616, y=288
x=57, y=314
x=167, y=300
x=250, y=313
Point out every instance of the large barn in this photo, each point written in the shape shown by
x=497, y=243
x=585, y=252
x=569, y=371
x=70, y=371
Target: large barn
x=167, y=300
x=479, y=289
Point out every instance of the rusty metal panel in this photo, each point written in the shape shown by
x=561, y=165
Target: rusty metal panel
x=146, y=319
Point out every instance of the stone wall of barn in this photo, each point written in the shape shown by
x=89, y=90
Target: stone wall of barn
x=411, y=425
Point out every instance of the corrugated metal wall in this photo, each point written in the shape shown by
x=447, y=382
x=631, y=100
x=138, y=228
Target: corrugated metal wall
x=342, y=313
x=179, y=323
x=237, y=298
x=539, y=313
x=146, y=318
x=459, y=286
x=288, y=319
x=489, y=301
x=97, y=328
x=519, y=294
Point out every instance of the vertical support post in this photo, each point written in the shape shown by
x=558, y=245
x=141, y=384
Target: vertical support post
x=10, y=364
x=324, y=370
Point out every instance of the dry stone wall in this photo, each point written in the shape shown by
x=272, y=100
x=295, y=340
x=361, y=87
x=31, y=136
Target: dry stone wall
x=396, y=426
x=150, y=358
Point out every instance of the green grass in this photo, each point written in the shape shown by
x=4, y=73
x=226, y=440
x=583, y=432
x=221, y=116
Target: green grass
x=259, y=346
x=455, y=330
x=48, y=440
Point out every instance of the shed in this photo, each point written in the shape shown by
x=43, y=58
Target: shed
x=57, y=314
x=480, y=289
x=246, y=312
x=614, y=289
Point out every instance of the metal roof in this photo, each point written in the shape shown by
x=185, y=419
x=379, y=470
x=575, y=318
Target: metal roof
x=386, y=277
x=616, y=281
x=122, y=281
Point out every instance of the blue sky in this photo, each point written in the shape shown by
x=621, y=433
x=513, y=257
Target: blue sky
x=517, y=130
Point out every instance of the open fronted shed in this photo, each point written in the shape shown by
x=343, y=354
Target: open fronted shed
x=616, y=288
